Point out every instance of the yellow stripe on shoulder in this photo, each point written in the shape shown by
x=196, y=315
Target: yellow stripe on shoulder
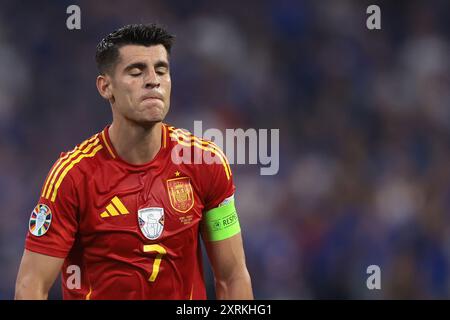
x=72, y=156
x=206, y=146
x=72, y=164
x=57, y=167
x=184, y=135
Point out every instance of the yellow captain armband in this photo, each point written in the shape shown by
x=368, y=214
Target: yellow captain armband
x=222, y=222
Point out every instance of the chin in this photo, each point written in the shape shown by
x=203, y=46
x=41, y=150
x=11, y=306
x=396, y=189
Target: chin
x=149, y=121
x=150, y=116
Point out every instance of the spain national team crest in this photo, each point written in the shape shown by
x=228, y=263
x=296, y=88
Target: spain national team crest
x=180, y=194
x=40, y=220
x=151, y=222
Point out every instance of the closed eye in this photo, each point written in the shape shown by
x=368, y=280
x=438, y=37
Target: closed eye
x=161, y=71
x=135, y=71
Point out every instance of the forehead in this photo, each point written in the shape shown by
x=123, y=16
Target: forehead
x=134, y=53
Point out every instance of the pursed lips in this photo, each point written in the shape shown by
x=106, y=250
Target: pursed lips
x=152, y=97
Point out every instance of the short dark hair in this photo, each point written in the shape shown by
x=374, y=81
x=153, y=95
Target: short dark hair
x=107, y=52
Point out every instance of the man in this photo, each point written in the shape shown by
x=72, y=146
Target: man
x=121, y=210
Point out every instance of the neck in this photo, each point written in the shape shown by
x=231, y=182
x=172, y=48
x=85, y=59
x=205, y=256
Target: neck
x=135, y=144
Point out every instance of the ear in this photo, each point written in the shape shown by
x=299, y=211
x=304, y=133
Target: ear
x=104, y=87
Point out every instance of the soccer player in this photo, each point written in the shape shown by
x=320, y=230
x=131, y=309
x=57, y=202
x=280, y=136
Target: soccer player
x=119, y=212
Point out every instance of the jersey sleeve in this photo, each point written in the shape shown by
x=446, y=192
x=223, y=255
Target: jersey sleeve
x=53, y=222
x=220, y=220
x=218, y=182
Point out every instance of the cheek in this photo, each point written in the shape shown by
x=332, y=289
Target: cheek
x=126, y=93
x=167, y=87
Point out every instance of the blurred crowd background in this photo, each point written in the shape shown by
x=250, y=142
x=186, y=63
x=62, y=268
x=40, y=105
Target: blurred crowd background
x=364, y=119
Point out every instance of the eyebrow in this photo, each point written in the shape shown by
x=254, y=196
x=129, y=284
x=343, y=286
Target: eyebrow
x=161, y=63
x=138, y=65
x=142, y=65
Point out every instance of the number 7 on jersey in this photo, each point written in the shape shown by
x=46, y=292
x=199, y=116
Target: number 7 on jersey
x=161, y=251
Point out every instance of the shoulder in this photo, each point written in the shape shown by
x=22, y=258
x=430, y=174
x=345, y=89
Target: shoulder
x=71, y=167
x=204, y=154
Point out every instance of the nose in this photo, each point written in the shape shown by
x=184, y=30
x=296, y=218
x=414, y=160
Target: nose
x=152, y=80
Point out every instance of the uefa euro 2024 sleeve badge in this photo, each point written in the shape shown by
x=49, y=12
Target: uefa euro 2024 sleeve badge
x=40, y=220
x=151, y=222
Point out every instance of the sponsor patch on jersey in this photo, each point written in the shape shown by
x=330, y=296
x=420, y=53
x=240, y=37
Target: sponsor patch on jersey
x=180, y=194
x=40, y=220
x=151, y=222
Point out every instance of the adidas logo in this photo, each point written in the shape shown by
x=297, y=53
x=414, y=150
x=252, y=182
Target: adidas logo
x=115, y=208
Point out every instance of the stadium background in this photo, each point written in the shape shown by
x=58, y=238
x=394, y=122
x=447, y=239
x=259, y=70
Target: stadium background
x=364, y=122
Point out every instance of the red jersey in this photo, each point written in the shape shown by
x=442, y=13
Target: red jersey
x=133, y=230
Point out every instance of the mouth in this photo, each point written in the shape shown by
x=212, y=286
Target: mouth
x=152, y=97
